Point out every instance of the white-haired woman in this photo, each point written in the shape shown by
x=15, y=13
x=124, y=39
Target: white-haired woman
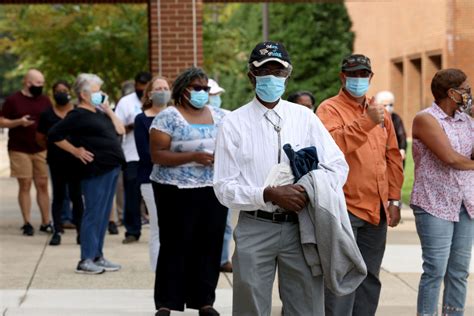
x=90, y=133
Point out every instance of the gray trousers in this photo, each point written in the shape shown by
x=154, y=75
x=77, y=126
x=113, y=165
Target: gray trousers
x=363, y=301
x=261, y=246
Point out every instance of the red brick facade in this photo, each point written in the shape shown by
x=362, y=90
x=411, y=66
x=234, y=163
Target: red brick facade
x=175, y=28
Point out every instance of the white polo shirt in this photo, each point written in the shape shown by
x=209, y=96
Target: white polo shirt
x=128, y=107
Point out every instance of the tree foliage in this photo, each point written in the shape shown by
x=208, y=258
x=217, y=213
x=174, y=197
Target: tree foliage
x=65, y=40
x=317, y=37
x=112, y=41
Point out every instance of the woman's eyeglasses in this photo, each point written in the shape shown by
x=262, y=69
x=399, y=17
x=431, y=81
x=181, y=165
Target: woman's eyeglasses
x=463, y=90
x=199, y=88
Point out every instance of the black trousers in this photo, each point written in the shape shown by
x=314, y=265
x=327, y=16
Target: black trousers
x=363, y=301
x=192, y=224
x=132, y=217
x=62, y=180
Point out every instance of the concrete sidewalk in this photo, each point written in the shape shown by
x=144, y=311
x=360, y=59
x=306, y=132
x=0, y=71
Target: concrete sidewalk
x=37, y=279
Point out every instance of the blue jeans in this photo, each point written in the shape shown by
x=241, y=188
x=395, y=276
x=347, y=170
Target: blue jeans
x=98, y=195
x=446, y=248
x=132, y=217
x=66, y=212
x=227, y=238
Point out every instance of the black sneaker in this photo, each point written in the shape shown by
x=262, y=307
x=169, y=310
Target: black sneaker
x=46, y=228
x=209, y=311
x=28, y=230
x=130, y=239
x=55, y=240
x=113, y=230
x=162, y=312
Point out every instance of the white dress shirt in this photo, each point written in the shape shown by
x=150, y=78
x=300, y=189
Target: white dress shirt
x=128, y=108
x=247, y=149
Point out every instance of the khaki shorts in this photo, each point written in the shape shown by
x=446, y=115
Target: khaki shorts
x=24, y=165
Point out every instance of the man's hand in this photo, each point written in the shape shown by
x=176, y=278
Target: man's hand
x=83, y=155
x=394, y=213
x=403, y=154
x=25, y=121
x=291, y=197
x=375, y=111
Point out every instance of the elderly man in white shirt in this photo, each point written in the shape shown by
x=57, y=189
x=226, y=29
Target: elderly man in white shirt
x=127, y=109
x=249, y=144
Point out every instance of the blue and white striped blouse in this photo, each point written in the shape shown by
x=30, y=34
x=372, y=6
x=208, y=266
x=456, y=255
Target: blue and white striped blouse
x=186, y=137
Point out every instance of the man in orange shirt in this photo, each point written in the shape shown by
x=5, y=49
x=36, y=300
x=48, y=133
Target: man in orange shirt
x=364, y=132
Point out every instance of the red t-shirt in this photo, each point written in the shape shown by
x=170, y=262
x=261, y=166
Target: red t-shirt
x=21, y=138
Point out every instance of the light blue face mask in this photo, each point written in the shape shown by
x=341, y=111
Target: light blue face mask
x=357, y=87
x=215, y=101
x=270, y=88
x=96, y=98
x=199, y=98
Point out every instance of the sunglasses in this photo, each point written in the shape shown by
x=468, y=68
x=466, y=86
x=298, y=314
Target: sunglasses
x=199, y=88
x=358, y=73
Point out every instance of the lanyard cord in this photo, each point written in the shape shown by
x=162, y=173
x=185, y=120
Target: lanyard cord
x=277, y=128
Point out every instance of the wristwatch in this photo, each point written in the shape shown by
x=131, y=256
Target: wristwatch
x=397, y=203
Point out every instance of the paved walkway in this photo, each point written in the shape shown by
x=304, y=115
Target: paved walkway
x=37, y=279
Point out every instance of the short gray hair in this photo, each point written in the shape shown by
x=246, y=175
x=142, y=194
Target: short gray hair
x=83, y=83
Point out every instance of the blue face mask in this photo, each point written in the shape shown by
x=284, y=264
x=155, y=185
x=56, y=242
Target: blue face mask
x=215, y=101
x=357, y=87
x=96, y=98
x=199, y=98
x=270, y=88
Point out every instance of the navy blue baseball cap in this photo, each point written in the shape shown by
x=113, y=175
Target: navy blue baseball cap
x=269, y=51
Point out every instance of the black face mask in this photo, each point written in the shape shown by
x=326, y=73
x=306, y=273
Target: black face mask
x=139, y=93
x=35, y=90
x=61, y=98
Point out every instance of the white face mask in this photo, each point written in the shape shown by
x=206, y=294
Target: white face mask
x=389, y=108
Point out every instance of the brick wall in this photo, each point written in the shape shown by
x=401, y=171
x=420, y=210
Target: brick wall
x=408, y=41
x=461, y=41
x=175, y=42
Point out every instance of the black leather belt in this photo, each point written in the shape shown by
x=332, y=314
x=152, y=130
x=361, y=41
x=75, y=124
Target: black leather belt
x=276, y=217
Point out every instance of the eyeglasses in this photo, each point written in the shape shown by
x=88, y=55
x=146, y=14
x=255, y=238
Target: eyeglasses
x=358, y=73
x=271, y=72
x=462, y=90
x=199, y=88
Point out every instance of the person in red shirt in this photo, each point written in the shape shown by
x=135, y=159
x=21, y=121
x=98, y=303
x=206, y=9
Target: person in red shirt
x=20, y=114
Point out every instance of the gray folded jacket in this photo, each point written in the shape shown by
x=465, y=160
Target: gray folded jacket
x=328, y=242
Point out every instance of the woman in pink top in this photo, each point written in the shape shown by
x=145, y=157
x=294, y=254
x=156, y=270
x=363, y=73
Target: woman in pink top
x=443, y=193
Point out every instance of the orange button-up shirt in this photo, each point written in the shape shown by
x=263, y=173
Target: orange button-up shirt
x=375, y=163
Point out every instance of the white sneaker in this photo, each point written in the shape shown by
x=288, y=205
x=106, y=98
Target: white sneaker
x=107, y=265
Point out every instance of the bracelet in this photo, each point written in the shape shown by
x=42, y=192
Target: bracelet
x=397, y=203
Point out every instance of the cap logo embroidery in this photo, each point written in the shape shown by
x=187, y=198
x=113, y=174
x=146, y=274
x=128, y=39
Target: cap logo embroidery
x=275, y=54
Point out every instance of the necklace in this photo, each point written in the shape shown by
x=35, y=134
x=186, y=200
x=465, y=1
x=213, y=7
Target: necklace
x=277, y=129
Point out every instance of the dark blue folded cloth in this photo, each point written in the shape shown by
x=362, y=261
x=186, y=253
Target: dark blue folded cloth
x=301, y=161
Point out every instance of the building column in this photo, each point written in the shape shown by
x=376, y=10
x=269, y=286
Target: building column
x=175, y=36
